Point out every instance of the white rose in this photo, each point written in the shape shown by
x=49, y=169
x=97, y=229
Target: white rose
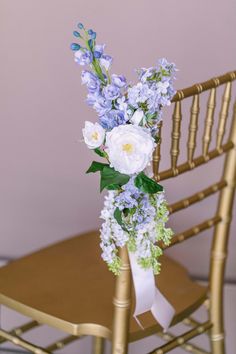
x=137, y=117
x=93, y=134
x=129, y=148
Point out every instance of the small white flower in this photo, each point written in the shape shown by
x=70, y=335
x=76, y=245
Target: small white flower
x=137, y=117
x=93, y=135
x=129, y=148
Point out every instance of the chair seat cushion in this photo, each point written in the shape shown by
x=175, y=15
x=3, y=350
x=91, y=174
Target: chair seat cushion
x=68, y=286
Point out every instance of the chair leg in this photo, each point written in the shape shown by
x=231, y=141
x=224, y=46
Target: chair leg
x=216, y=310
x=217, y=346
x=98, y=345
x=122, y=302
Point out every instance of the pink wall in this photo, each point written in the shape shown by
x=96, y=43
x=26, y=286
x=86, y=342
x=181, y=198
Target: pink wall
x=45, y=194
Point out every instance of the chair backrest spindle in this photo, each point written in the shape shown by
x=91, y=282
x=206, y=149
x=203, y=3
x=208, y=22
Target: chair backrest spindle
x=193, y=127
x=223, y=114
x=177, y=117
x=209, y=121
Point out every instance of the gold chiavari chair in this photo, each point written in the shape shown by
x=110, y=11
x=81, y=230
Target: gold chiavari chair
x=67, y=285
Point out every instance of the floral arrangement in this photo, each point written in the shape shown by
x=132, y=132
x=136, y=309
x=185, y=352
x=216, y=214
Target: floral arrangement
x=135, y=210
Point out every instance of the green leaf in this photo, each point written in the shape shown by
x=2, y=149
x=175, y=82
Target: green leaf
x=118, y=216
x=146, y=184
x=96, y=166
x=100, y=152
x=111, y=178
x=151, y=116
x=113, y=187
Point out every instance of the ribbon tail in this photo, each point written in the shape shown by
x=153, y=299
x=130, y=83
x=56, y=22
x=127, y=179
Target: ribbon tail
x=148, y=297
x=162, y=310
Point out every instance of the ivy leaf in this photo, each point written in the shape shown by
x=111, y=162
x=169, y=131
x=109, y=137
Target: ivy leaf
x=118, y=216
x=146, y=184
x=112, y=179
x=96, y=166
x=100, y=152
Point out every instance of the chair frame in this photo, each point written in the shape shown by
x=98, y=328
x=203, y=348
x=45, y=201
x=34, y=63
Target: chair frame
x=221, y=223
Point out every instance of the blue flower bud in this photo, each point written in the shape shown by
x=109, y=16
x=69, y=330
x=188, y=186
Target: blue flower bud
x=97, y=55
x=90, y=43
x=80, y=25
x=94, y=35
x=90, y=32
x=76, y=34
x=74, y=46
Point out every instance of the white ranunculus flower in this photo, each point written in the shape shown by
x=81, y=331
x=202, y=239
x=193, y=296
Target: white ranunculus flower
x=137, y=117
x=93, y=134
x=129, y=148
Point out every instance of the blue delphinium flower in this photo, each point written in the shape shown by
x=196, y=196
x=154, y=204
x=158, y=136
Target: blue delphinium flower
x=83, y=57
x=111, y=92
x=118, y=80
x=99, y=103
x=112, y=119
x=106, y=61
x=91, y=80
x=98, y=50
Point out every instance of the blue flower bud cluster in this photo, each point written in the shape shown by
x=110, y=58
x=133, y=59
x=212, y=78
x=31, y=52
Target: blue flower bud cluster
x=112, y=98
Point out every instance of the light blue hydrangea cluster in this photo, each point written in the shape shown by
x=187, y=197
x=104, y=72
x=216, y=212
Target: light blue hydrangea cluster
x=142, y=227
x=112, y=98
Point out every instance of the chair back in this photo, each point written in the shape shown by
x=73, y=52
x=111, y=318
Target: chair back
x=220, y=222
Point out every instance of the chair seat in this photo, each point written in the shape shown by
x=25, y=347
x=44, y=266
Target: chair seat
x=67, y=285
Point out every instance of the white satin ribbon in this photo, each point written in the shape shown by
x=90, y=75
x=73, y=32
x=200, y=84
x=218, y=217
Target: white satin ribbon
x=148, y=297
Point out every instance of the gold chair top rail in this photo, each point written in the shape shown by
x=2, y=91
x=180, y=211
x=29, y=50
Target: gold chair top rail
x=204, y=86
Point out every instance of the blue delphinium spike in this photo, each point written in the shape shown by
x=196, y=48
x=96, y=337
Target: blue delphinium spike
x=80, y=25
x=76, y=34
x=75, y=46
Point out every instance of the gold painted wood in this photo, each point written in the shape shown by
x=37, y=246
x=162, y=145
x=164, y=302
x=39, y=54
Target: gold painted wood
x=157, y=154
x=193, y=127
x=180, y=340
x=209, y=121
x=193, y=231
x=176, y=119
x=21, y=329
x=190, y=321
x=197, y=197
x=122, y=303
x=204, y=86
x=223, y=114
x=200, y=160
x=43, y=287
x=22, y=343
x=189, y=347
x=98, y=345
x=59, y=344
x=219, y=246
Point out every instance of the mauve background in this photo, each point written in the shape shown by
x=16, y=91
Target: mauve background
x=45, y=194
